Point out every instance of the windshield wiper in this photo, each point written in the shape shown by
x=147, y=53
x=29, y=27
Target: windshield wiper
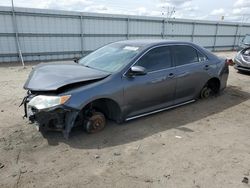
x=86, y=66
x=96, y=68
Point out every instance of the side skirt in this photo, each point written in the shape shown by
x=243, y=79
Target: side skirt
x=160, y=110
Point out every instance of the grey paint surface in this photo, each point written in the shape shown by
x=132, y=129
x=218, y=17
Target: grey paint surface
x=141, y=94
x=54, y=35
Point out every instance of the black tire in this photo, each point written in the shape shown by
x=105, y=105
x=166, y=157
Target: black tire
x=206, y=92
x=95, y=123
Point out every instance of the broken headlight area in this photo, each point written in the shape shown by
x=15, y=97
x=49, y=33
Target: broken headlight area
x=49, y=113
x=43, y=102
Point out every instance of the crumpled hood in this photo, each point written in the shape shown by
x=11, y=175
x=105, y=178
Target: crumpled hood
x=50, y=77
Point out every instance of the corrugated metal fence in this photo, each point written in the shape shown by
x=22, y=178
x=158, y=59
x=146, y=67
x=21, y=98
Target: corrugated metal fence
x=54, y=35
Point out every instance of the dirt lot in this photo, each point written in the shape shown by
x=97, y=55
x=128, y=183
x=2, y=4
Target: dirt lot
x=204, y=144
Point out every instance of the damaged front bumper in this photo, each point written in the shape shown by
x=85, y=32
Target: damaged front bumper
x=58, y=118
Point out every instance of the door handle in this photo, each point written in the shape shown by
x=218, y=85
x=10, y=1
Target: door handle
x=206, y=67
x=171, y=75
x=158, y=80
x=184, y=74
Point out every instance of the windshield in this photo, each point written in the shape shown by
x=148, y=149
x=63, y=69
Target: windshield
x=246, y=39
x=110, y=58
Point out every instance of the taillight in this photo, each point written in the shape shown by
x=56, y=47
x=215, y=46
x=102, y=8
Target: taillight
x=229, y=62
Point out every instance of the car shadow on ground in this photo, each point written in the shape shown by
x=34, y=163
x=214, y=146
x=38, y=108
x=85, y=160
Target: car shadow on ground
x=131, y=131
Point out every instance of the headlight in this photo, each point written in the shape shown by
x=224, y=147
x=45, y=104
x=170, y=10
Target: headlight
x=238, y=55
x=42, y=101
x=239, y=58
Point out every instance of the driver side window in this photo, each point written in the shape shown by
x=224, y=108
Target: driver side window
x=156, y=59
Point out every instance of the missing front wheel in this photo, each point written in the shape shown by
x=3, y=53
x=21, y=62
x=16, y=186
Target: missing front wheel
x=95, y=123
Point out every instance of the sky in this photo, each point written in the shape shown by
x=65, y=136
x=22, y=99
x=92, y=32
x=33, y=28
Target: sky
x=231, y=10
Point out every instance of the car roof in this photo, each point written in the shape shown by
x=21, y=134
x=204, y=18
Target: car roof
x=151, y=42
x=144, y=44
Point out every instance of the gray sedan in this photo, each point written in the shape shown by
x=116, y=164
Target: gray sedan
x=121, y=81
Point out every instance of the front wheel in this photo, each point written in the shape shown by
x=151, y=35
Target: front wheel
x=95, y=123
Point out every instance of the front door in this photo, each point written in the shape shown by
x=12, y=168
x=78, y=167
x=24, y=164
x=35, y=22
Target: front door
x=154, y=90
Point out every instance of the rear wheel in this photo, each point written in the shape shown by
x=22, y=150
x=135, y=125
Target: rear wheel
x=95, y=123
x=206, y=92
x=211, y=88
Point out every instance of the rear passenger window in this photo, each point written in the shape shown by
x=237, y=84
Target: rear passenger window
x=184, y=55
x=156, y=59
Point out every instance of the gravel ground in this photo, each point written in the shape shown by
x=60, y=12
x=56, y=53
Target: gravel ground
x=204, y=144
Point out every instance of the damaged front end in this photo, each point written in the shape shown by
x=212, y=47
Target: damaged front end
x=48, y=112
x=51, y=87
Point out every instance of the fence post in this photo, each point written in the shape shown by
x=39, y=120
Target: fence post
x=215, y=37
x=166, y=31
x=127, y=29
x=193, y=29
x=235, y=37
x=163, y=29
x=16, y=34
x=81, y=30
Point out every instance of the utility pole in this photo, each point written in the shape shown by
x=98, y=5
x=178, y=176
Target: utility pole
x=16, y=33
x=170, y=12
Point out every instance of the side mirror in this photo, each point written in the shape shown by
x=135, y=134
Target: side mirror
x=76, y=59
x=137, y=71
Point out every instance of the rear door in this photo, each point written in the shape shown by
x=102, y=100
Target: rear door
x=192, y=72
x=154, y=90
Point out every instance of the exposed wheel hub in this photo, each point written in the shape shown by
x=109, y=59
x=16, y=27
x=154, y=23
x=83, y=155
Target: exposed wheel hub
x=95, y=123
x=206, y=92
